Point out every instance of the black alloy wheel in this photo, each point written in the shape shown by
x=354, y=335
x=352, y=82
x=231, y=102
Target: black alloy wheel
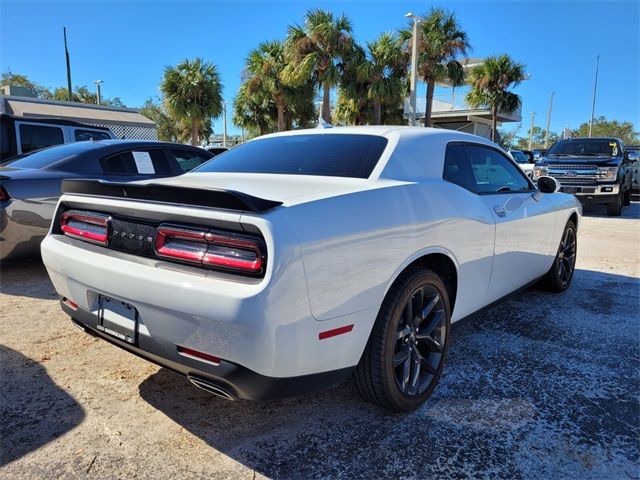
x=406, y=351
x=559, y=276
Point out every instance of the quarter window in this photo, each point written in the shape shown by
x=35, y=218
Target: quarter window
x=34, y=137
x=138, y=162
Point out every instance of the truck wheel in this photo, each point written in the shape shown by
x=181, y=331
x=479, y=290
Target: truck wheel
x=626, y=199
x=614, y=208
x=406, y=351
x=559, y=276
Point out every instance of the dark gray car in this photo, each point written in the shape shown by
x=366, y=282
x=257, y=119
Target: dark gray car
x=30, y=184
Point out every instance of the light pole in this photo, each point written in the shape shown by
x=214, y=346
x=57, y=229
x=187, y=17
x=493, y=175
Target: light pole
x=414, y=68
x=98, y=82
x=546, y=133
x=593, y=103
x=533, y=116
x=224, y=135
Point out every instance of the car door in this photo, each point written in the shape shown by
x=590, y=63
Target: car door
x=137, y=164
x=524, y=219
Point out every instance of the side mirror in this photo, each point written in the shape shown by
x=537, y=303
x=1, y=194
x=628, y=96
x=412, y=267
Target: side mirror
x=633, y=155
x=548, y=185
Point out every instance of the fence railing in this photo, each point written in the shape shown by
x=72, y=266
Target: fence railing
x=448, y=102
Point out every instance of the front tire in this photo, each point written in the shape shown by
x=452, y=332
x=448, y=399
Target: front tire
x=560, y=275
x=407, y=348
x=614, y=208
x=626, y=199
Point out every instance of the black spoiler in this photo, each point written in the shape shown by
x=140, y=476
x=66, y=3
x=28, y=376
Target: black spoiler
x=201, y=197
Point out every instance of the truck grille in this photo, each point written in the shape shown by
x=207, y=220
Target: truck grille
x=574, y=174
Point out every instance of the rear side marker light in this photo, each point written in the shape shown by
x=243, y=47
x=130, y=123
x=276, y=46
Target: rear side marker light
x=88, y=226
x=70, y=303
x=4, y=195
x=196, y=355
x=335, y=332
x=209, y=249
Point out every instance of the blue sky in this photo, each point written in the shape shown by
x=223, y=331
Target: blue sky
x=127, y=44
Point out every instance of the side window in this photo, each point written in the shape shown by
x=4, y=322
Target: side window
x=33, y=137
x=457, y=168
x=139, y=162
x=494, y=173
x=190, y=159
x=5, y=146
x=81, y=135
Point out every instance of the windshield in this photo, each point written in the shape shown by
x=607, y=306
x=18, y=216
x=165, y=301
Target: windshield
x=335, y=155
x=590, y=147
x=47, y=156
x=519, y=156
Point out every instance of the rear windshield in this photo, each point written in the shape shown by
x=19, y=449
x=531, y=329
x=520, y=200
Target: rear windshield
x=335, y=155
x=48, y=156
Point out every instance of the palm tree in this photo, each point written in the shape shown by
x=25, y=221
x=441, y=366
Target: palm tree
x=440, y=41
x=490, y=84
x=192, y=93
x=265, y=64
x=315, y=50
x=383, y=70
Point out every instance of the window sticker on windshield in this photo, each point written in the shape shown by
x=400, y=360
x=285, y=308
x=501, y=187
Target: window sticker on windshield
x=143, y=162
x=614, y=147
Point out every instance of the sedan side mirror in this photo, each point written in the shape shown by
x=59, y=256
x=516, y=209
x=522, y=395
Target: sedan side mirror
x=548, y=185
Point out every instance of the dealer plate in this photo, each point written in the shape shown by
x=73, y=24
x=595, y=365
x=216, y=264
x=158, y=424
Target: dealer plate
x=118, y=319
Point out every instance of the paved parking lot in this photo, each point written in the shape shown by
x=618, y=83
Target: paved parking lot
x=542, y=386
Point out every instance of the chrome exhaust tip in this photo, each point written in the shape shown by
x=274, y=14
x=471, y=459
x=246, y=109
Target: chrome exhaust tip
x=210, y=387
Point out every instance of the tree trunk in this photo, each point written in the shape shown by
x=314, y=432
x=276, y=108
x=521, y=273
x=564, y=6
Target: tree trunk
x=280, y=107
x=428, y=108
x=194, y=132
x=494, y=122
x=377, y=113
x=326, y=103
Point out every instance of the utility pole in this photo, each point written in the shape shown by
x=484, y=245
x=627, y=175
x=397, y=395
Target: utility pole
x=224, y=135
x=66, y=52
x=414, y=69
x=593, y=103
x=546, y=133
x=98, y=82
x=533, y=116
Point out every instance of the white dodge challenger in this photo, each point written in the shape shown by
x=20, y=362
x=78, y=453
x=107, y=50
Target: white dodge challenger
x=298, y=259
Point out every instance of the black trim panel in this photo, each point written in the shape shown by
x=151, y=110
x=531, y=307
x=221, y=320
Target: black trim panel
x=238, y=381
x=202, y=197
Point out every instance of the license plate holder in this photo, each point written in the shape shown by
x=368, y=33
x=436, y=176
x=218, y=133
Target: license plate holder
x=118, y=319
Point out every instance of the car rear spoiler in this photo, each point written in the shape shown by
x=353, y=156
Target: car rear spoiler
x=201, y=197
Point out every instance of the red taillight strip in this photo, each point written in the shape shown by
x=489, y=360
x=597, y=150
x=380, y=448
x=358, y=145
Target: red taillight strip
x=4, y=195
x=335, y=332
x=188, y=352
x=163, y=235
x=89, y=218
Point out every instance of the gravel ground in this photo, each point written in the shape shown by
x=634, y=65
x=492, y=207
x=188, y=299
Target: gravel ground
x=542, y=386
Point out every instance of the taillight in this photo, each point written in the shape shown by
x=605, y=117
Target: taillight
x=209, y=249
x=88, y=226
x=4, y=195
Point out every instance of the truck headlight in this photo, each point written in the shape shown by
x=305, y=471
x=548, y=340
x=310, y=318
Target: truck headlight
x=539, y=171
x=608, y=174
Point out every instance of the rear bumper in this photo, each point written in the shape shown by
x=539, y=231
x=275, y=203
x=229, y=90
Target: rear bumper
x=21, y=231
x=236, y=381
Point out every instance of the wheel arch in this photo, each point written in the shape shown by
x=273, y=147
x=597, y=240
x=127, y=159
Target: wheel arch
x=441, y=261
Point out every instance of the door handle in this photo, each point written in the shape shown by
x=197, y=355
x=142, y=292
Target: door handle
x=499, y=211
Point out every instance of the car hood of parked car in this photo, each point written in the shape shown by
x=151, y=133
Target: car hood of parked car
x=288, y=189
x=568, y=160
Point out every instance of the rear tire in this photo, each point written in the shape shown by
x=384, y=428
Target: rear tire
x=407, y=348
x=560, y=275
x=614, y=208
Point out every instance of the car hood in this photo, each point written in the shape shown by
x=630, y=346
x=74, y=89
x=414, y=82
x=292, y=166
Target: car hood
x=596, y=161
x=288, y=189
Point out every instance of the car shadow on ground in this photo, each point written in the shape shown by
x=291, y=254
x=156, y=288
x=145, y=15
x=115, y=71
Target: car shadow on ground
x=600, y=211
x=33, y=409
x=541, y=386
x=26, y=278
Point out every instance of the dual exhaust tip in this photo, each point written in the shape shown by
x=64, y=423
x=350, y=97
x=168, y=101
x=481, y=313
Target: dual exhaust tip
x=211, y=387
